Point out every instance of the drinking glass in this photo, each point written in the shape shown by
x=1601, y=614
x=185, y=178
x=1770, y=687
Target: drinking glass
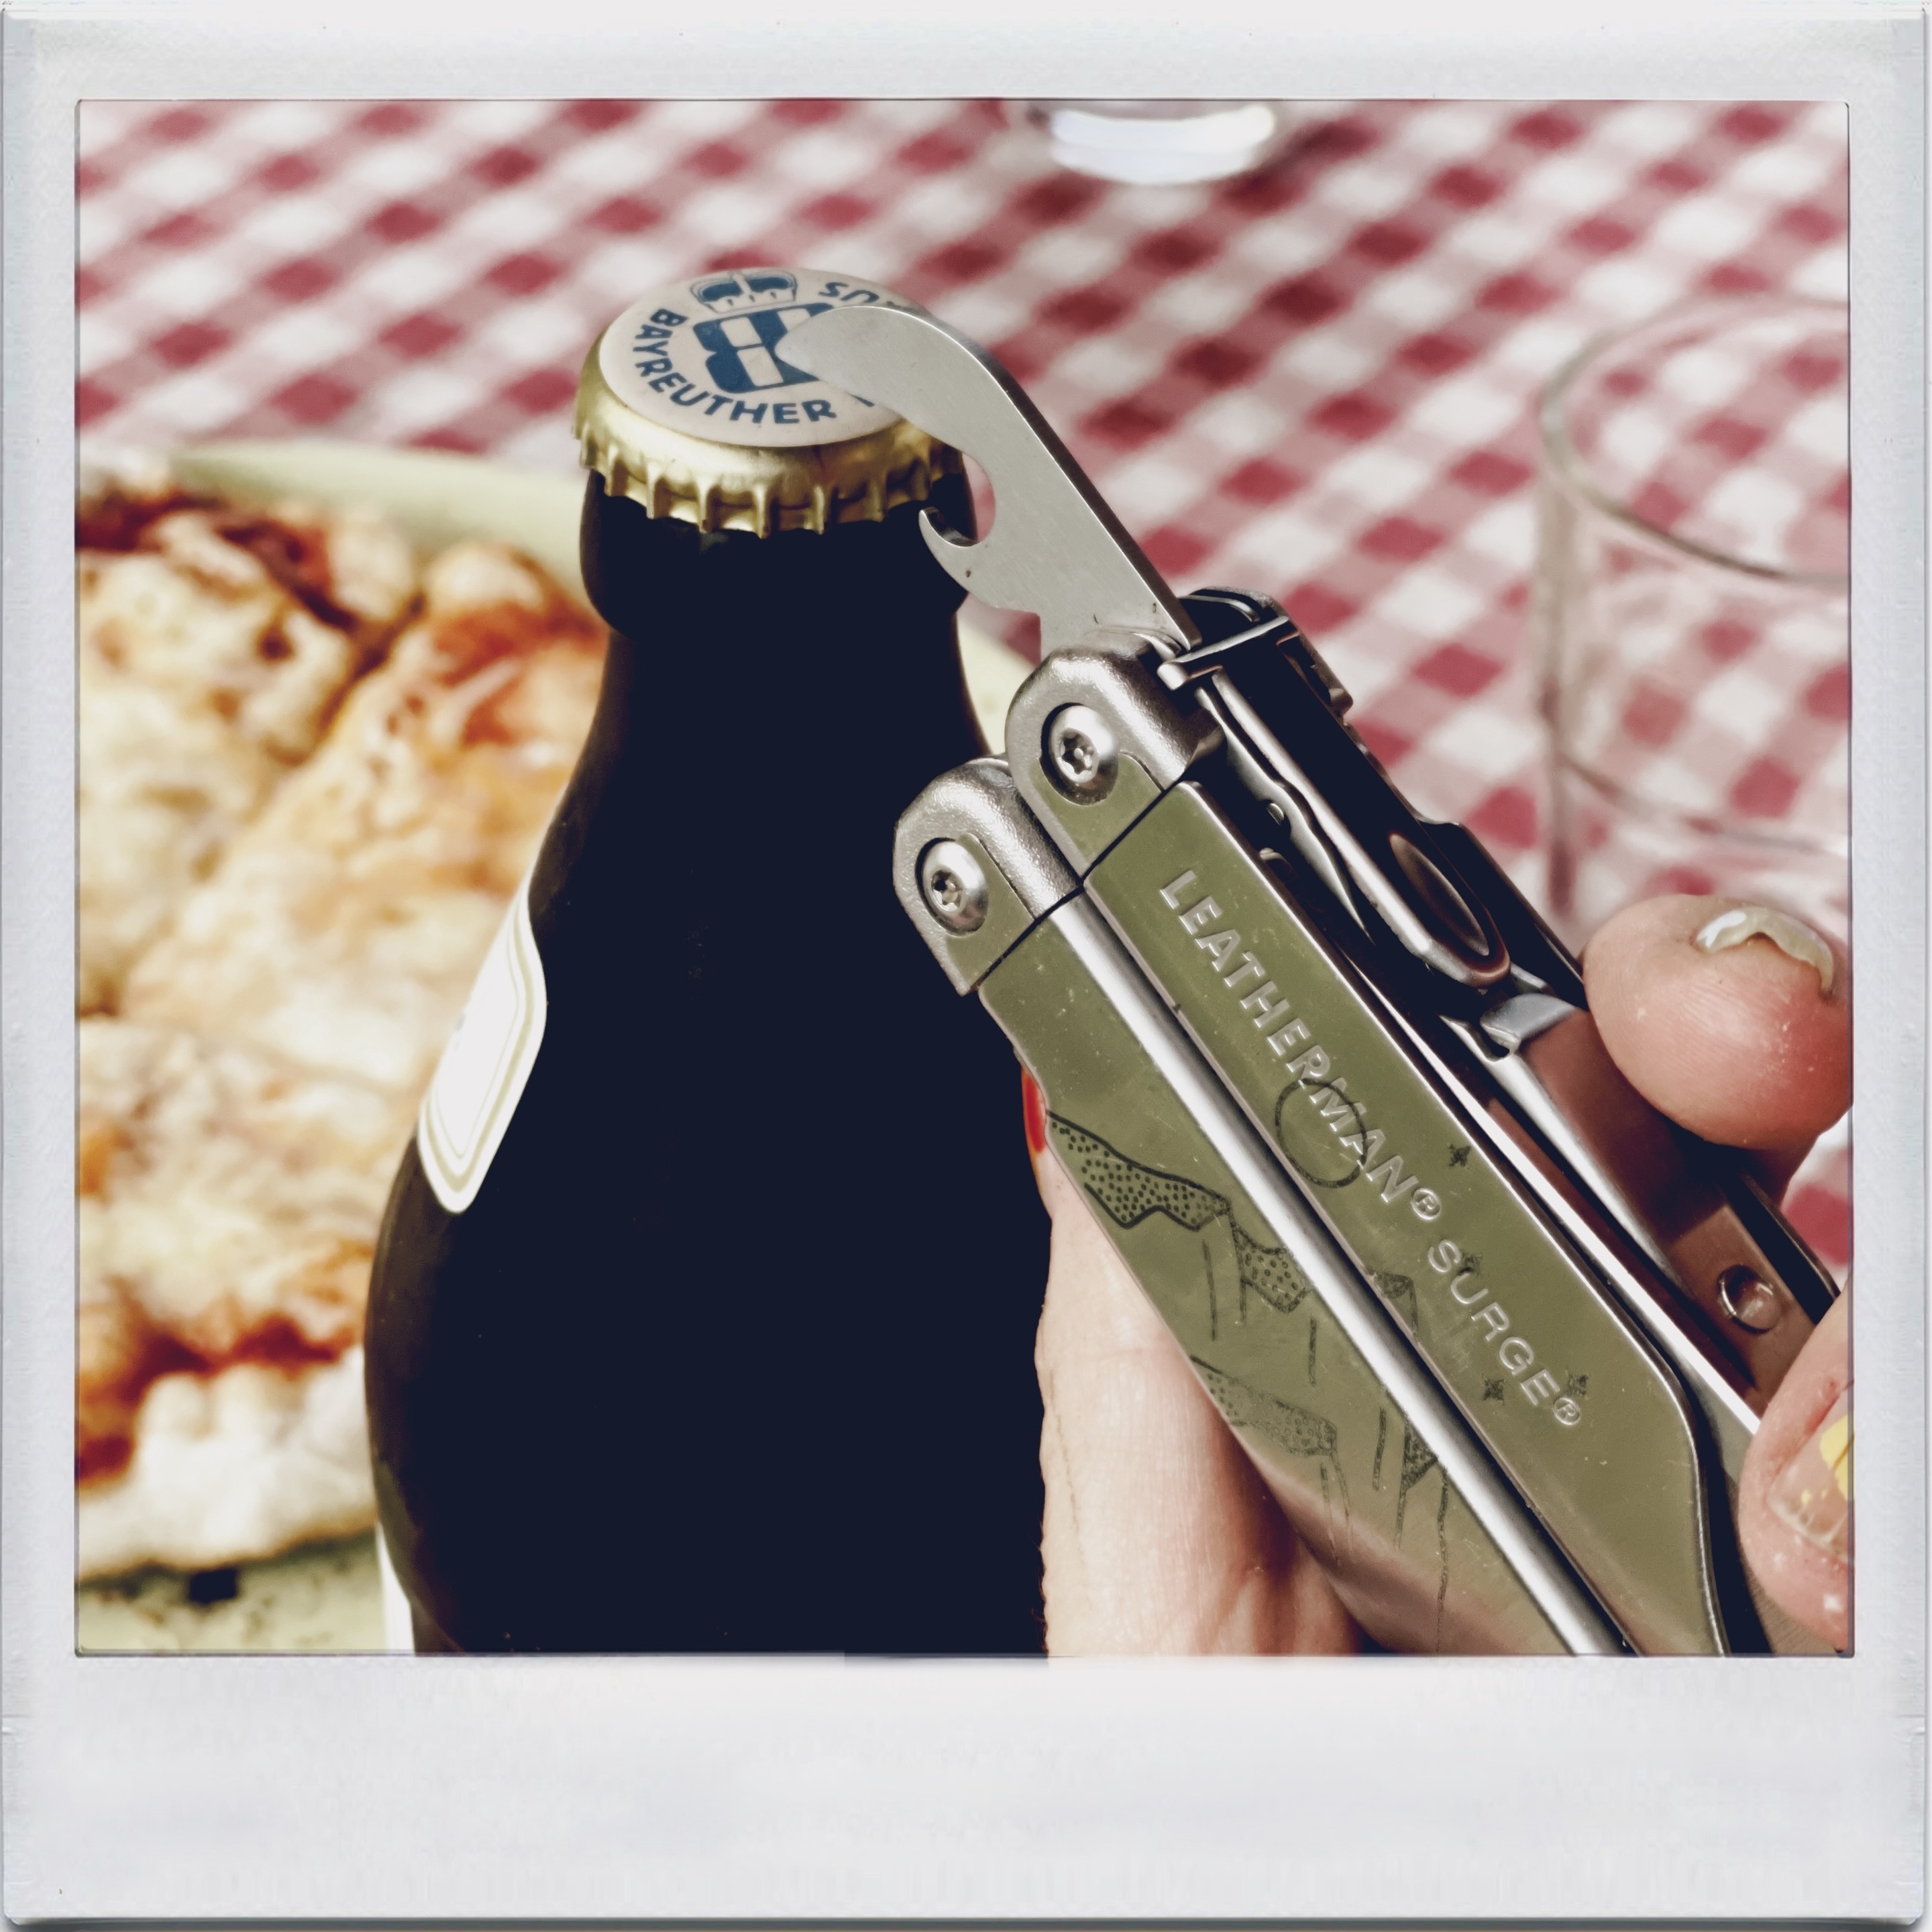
x=1691, y=612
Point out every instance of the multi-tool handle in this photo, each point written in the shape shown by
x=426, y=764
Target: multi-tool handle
x=1334, y=1094
x=1430, y=1546
x=1334, y=1091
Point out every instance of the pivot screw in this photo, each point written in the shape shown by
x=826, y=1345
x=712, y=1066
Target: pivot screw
x=1082, y=754
x=953, y=883
x=1750, y=1302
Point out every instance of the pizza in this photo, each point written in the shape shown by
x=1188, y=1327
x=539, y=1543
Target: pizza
x=214, y=644
x=244, y=1106
x=228, y=1206
x=342, y=930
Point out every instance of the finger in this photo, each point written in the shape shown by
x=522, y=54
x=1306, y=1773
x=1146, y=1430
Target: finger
x=1794, y=1497
x=1734, y=1021
x=1159, y=1536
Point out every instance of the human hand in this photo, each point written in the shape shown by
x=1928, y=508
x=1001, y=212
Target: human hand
x=1159, y=1538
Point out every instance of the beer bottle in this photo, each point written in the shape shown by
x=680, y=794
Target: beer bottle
x=695, y=1324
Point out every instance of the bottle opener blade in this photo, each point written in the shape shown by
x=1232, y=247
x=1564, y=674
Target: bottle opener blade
x=1055, y=548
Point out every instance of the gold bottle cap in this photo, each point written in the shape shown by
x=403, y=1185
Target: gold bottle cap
x=686, y=406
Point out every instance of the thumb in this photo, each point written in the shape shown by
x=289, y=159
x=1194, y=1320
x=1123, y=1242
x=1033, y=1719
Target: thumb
x=1734, y=1019
x=1794, y=1501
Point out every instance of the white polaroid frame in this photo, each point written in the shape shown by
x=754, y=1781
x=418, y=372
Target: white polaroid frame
x=373, y=1789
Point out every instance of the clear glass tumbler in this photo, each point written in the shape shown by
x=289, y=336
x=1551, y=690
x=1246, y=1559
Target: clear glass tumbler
x=1692, y=615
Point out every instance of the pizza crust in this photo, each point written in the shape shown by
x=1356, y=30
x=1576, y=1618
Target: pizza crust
x=226, y=1467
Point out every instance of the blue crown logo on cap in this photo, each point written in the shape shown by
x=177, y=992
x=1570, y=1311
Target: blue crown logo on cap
x=726, y=293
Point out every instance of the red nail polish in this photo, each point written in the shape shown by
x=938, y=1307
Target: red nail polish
x=1035, y=1107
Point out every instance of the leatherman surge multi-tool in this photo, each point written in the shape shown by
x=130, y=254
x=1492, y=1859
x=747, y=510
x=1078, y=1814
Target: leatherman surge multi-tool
x=1495, y=1332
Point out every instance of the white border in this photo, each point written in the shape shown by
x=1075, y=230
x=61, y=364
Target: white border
x=385, y=1788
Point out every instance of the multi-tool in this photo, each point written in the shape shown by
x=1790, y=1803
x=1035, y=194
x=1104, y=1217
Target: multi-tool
x=1495, y=1333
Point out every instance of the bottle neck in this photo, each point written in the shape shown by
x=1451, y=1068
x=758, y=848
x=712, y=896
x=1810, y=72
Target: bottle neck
x=747, y=655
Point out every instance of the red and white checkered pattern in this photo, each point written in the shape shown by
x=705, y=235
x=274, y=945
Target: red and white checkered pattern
x=1318, y=381
x=1725, y=425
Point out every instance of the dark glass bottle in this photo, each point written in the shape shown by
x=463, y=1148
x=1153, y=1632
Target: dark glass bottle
x=732, y=1349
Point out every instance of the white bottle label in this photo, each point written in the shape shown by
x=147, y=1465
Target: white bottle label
x=482, y=1074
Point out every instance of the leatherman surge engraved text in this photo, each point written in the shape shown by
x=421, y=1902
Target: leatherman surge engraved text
x=1495, y=1332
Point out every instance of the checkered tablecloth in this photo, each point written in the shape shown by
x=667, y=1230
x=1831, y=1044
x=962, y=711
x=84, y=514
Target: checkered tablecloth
x=1318, y=381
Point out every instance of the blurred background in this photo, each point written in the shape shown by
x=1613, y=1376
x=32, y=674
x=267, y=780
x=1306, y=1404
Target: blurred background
x=1317, y=374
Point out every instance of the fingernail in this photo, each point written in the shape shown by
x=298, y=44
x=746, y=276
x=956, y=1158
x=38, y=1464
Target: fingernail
x=1035, y=1109
x=1814, y=1494
x=1791, y=937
